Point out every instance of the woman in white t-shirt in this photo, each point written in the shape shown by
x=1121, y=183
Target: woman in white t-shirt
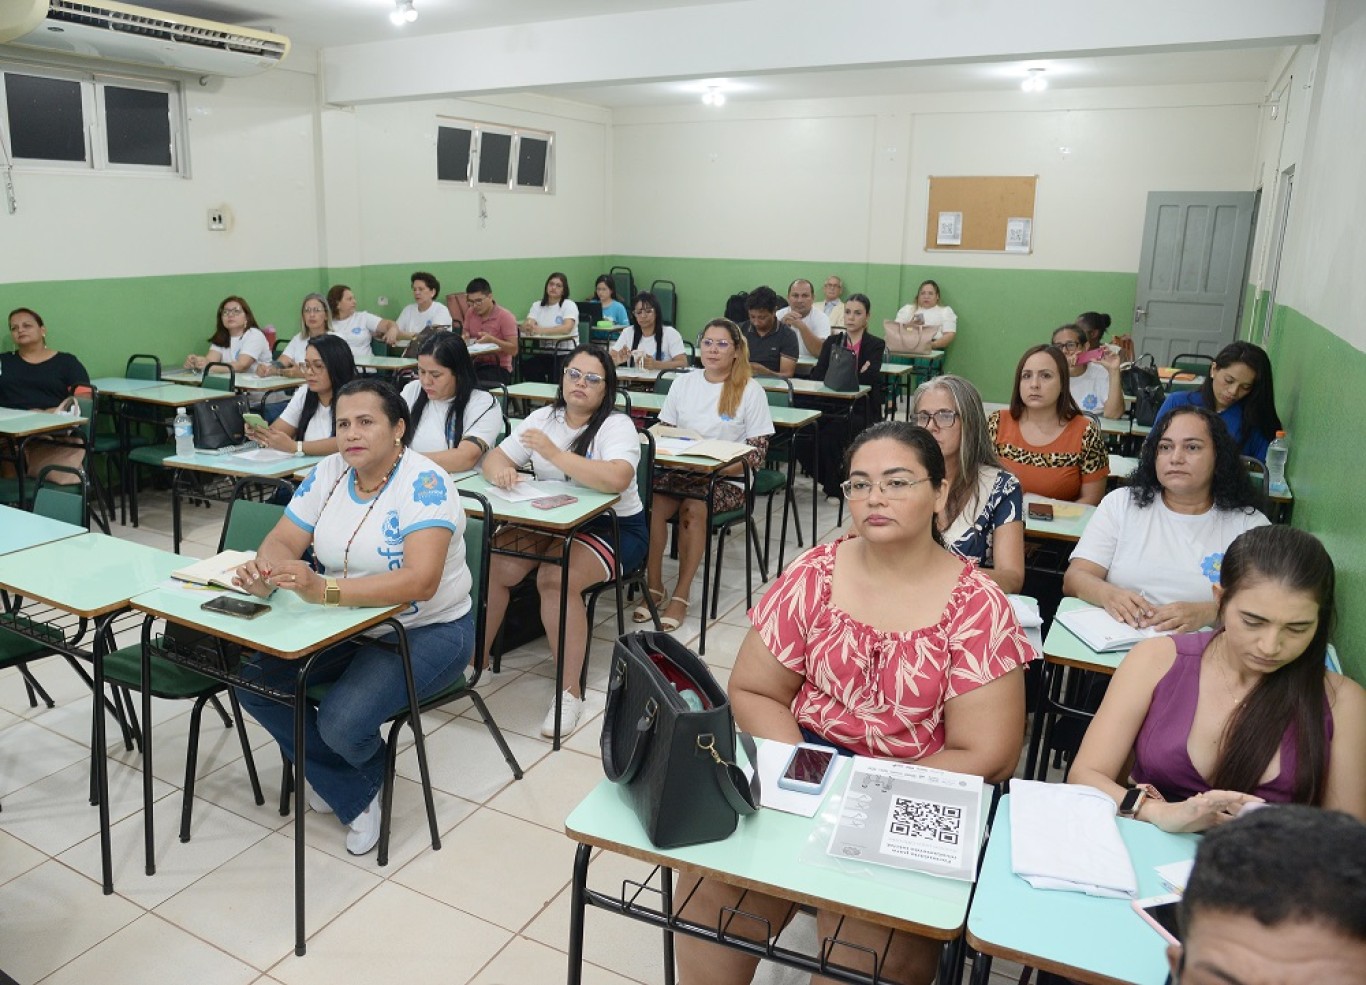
x=386, y=528
x=313, y=323
x=926, y=310
x=655, y=345
x=357, y=328
x=1095, y=382
x=425, y=312
x=305, y=426
x=554, y=314
x=719, y=401
x=579, y=438
x=1150, y=556
x=454, y=422
x=237, y=340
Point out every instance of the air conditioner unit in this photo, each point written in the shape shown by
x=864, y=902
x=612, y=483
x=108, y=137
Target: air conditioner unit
x=120, y=32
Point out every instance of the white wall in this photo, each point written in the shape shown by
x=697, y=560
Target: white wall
x=846, y=180
x=252, y=148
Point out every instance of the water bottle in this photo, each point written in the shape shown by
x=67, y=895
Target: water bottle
x=1276, y=454
x=184, y=433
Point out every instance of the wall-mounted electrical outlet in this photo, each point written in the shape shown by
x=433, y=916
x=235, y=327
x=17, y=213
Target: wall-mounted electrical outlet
x=218, y=220
x=382, y=301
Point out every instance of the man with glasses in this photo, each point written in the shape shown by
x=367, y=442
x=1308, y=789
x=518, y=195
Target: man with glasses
x=834, y=301
x=809, y=322
x=486, y=321
x=772, y=346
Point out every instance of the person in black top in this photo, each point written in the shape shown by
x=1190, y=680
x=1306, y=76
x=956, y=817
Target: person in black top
x=843, y=420
x=772, y=346
x=35, y=377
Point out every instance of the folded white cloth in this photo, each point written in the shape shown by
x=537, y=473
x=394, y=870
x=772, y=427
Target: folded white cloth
x=1027, y=612
x=1065, y=837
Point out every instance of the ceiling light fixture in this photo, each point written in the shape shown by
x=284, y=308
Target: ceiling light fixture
x=403, y=13
x=714, y=96
x=1034, y=82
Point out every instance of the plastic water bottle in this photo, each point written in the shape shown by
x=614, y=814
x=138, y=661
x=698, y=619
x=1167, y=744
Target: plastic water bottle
x=184, y=433
x=1276, y=454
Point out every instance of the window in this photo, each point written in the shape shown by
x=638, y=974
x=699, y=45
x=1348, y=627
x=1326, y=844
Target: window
x=76, y=121
x=494, y=157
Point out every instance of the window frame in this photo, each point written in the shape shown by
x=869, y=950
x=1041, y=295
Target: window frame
x=477, y=131
x=94, y=122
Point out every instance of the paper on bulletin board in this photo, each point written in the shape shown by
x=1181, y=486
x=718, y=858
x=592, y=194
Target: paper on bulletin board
x=950, y=229
x=1019, y=232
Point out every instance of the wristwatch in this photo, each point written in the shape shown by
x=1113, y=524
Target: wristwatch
x=298, y=449
x=1132, y=802
x=332, y=593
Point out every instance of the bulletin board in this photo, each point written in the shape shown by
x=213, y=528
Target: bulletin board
x=986, y=208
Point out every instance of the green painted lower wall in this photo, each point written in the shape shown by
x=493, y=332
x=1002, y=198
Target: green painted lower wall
x=1315, y=370
x=1000, y=312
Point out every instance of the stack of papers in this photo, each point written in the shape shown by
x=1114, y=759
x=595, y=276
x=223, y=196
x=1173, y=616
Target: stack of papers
x=1064, y=836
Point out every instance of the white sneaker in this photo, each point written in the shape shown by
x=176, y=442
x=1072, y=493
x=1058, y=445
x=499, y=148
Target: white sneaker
x=317, y=803
x=570, y=710
x=364, y=833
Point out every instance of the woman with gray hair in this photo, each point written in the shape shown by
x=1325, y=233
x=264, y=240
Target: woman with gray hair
x=983, y=516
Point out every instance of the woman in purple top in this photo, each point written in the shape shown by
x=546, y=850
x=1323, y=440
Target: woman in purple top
x=1246, y=714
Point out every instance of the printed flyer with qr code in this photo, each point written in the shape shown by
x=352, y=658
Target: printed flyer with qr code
x=910, y=817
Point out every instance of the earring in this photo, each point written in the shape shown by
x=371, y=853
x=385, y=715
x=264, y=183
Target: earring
x=397, y=442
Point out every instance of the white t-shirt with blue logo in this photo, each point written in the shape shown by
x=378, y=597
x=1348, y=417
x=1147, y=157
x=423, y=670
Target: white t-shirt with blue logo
x=418, y=495
x=357, y=331
x=616, y=440
x=693, y=400
x=1091, y=389
x=1169, y=557
x=551, y=315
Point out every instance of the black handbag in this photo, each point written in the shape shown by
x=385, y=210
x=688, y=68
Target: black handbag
x=1140, y=373
x=841, y=369
x=676, y=763
x=218, y=423
x=1147, y=402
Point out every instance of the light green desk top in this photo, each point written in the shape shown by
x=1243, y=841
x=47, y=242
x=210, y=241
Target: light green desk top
x=914, y=358
x=763, y=854
x=1118, y=425
x=1060, y=527
x=20, y=530
x=22, y=423
x=1060, y=646
x=117, y=386
x=892, y=370
x=1086, y=938
x=590, y=504
x=385, y=362
x=88, y=575
x=246, y=381
x=235, y=464
x=292, y=628
x=171, y=395
x=810, y=388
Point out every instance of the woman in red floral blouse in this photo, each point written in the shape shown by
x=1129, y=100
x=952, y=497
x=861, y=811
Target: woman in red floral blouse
x=883, y=643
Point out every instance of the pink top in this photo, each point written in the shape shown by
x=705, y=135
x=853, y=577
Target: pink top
x=1160, y=754
x=881, y=693
x=501, y=324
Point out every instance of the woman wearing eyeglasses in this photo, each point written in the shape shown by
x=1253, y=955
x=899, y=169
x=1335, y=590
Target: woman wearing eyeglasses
x=579, y=439
x=655, y=345
x=868, y=351
x=722, y=401
x=983, y=515
x=883, y=643
x=312, y=324
x=236, y=339
x=1094, y=385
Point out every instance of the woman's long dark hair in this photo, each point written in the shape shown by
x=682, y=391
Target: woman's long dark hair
x=220, y=336
x=1066, y=407
x=341, y=370
x=1231, y=487
x=919, y=441
x=545, y=293
x=449, y=350
x=584, y=441
x=646, y=298
x=1259, y=406
x=1292, y=697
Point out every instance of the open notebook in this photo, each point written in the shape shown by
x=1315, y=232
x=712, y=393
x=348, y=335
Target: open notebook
x=217, y=570
x=1101, y=631
x=686, y=441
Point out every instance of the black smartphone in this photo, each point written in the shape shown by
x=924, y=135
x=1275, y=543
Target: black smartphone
x=239, y=607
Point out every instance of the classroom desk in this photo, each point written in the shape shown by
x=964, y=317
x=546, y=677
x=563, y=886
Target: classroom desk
x=762, y=855
x=245, y=382
x=117, y=386
x=64, y=584
x=231, y=465
x=893, y=373
x=1064, y=528
x=386, y=364
x=560, y=524
x=1084, y=938
x=21, y=426
x=20, y=530
x=294, y=630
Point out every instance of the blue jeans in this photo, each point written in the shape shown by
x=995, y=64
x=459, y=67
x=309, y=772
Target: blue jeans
x=344, y=758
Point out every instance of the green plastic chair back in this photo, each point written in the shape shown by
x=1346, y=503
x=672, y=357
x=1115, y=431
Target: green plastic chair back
x=64, y=503
x=142, y=367
x=478, y=552
x=247, y=524
x=215, y=378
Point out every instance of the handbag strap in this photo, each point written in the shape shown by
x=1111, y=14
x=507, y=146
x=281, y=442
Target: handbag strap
x=641, y=732
x=741, y=792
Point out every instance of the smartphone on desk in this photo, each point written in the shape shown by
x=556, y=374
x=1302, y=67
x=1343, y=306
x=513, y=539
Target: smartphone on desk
x=1040, y=511
x=553, y=502
x=239, y=607
x=809, y=769
x=1159, y=912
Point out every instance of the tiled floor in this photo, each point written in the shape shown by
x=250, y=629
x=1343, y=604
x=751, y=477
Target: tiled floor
x=490, y=908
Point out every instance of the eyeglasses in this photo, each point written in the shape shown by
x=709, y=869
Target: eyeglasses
x=1069, y=346
x=644, y=311
x=232, y=311
x=944, y=418
x=895, y=488
x=719, y=344
x=574, y=375
x=309, y=311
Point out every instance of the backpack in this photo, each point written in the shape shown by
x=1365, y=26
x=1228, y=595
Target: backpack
x=737, y=307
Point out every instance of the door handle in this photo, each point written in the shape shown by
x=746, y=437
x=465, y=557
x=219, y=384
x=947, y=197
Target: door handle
x=1140, y=313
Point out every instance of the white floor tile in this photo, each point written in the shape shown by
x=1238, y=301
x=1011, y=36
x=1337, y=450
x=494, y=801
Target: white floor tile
x=524, y=961
x=30, y=753
x=552, y=788
x=466, y=762
x=151, y=951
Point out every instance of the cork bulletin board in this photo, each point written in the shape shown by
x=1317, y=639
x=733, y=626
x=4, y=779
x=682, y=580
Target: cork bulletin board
x=994, y=215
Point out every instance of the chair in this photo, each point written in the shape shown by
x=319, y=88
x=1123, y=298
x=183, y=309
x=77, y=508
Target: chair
x=500, y=393
x=478, y=554
x=776, y=475
x=666, y=291
x=623, y=396
x=212, y=379
x=1190, y=362
x=721, y=524
x=625, y=283
x=634, y=579
x=665, y=379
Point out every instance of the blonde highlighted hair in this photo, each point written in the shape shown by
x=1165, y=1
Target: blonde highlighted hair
x=733, y=391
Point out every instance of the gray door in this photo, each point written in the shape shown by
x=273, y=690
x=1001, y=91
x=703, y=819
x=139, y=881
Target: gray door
x=1190, y=277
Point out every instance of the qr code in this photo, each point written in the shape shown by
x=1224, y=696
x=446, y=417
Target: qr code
x=925, y=819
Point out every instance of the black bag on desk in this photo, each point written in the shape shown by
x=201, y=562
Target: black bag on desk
x=676, y=764
x=841, y=370
x=218, y=423
x=1147, y=402
x=1140, y=373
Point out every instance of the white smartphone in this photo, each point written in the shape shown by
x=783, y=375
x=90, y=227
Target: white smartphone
x=809, y=769
x=1159, y=912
